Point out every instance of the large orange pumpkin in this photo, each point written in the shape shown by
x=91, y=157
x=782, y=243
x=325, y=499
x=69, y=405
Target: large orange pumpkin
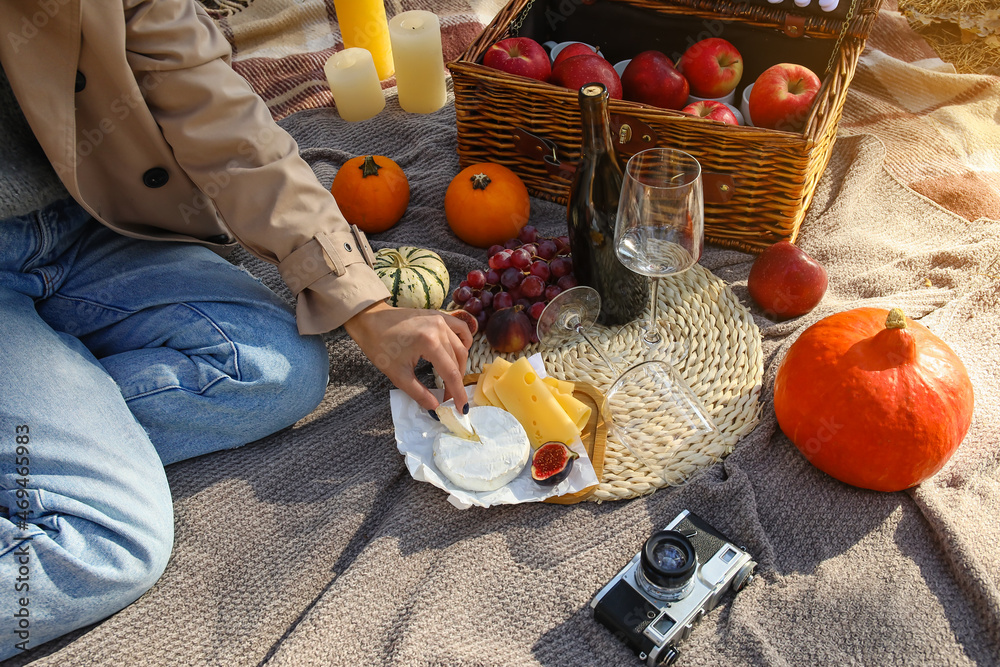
x=486, y=203
x=372, y=192
x=873, y=399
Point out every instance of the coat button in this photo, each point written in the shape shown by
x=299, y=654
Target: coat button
x=220, y=239
x=81, y=81
x=156, y=177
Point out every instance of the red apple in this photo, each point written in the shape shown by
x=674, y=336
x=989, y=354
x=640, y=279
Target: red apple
x=519, y=55
x=785, y=281
x=782, y=96
x=712, y=66
x=577, y=49
x=651, y=78
x=578, y=71
x=712, y=110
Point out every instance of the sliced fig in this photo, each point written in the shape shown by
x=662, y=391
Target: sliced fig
x=468, y=318
x=552, y=462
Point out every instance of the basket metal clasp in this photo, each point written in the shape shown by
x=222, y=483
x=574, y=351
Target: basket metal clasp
x=631, y=135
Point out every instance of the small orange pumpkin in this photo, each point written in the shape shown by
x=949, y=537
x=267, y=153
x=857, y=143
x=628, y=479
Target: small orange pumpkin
x=873, y=399
x=372, y=192
x=486, y=203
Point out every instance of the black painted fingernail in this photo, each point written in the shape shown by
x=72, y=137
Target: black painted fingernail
x=465, y=410
x=433, y=415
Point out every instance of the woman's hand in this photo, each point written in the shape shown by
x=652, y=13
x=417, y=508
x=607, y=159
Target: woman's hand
x=395, y=339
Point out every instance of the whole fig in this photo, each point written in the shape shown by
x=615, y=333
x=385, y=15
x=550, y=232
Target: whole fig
x=509, y=329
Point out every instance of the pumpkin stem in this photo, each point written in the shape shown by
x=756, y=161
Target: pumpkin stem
x=895, y=343
x=398, y=261
x=480, y=181
x=369, y=167
x=896, y=319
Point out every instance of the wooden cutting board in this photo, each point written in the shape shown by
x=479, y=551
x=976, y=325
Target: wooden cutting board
x=594, y=436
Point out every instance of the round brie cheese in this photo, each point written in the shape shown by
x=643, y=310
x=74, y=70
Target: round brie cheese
x=500, y=454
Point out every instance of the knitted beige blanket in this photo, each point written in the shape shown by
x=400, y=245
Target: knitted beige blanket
x=315, y=547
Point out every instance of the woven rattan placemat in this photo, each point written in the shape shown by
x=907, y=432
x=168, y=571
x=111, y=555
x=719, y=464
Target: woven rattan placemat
x=717, y=350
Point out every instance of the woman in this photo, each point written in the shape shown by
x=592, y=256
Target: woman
x=132, y=151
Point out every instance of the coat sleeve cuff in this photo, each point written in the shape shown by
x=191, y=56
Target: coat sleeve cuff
x=332, y=300
x=325, y=253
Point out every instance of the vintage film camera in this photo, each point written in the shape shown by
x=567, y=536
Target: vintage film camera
x=679, y=576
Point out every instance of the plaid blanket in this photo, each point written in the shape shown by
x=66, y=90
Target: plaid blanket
x=939, y=129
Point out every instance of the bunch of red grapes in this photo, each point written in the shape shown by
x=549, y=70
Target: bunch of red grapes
x=529, y=271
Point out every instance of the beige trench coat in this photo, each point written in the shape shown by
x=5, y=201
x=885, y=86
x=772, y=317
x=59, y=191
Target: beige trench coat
x=151, y=130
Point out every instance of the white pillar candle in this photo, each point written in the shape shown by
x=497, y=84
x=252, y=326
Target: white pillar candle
x=416, y=48
x=354, y=83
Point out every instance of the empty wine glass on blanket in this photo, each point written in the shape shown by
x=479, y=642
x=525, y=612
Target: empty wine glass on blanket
x=660, y=226
x=654, y=413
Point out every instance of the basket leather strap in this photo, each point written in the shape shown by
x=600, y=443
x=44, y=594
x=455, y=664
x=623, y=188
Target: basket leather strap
x=719, y=187
x=539, y=148
x=630, y=134
x=795, y=25
x=633, y=136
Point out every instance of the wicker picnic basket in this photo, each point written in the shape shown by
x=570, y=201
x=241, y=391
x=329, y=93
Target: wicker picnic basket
x=758, y=182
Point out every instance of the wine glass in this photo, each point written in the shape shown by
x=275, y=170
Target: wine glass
x=653, y=410
x=660, y=226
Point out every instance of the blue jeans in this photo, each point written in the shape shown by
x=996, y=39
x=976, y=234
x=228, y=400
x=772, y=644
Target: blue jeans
x=117, y=357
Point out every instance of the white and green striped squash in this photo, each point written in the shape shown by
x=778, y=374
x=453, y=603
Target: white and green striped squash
x=416, y=277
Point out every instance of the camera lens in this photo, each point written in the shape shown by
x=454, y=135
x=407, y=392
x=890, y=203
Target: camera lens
x=669, y=557
x=667, y=565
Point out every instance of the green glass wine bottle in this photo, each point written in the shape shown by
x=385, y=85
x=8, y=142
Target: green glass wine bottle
x=591, y=213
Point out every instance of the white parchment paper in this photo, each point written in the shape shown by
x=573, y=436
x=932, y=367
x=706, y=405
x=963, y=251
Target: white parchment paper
x=415, y=434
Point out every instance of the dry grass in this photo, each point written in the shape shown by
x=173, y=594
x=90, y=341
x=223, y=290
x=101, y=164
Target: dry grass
x=965, y=33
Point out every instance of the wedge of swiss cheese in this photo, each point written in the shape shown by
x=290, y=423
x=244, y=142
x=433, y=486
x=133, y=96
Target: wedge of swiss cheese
x=576, y=410
x=493, y=373
x=561, y=386
x=530, y=400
